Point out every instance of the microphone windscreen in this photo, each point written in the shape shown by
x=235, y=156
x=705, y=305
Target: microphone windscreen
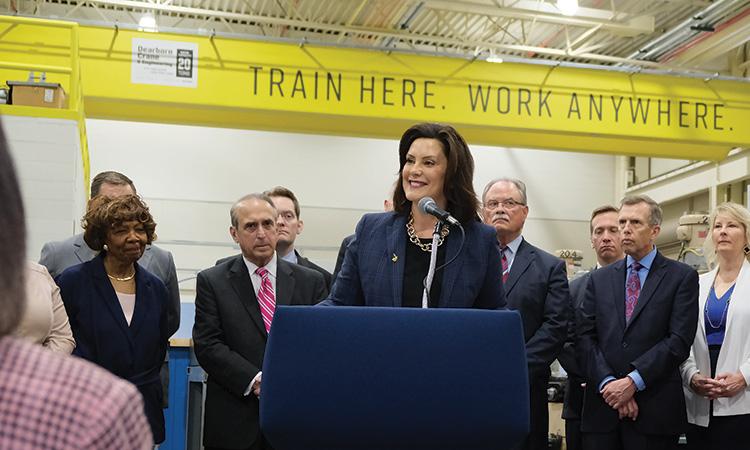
x=424, y=203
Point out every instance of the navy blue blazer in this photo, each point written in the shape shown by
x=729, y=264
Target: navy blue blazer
x=102, y=334
x=373, y=270
x=655, y=341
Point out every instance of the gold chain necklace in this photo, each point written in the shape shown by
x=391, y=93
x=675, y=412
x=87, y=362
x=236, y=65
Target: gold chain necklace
x=128, y=278
x=414, y=239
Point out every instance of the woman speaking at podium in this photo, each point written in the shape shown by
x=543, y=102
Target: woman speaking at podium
x=388, y=261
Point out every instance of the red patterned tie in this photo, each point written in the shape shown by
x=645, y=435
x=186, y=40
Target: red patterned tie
x=504, y=260
x=632, y=290
x=266, y=299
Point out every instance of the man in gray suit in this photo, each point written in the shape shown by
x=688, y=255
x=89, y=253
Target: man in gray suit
x=58, y=256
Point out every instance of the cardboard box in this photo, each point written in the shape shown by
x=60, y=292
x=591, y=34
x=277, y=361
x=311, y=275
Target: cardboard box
x=49, y=95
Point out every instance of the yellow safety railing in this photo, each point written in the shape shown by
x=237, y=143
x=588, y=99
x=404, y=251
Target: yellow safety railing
x=72, y=70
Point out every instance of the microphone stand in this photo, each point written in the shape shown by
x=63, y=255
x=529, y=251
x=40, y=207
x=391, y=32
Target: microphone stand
x=433, y=263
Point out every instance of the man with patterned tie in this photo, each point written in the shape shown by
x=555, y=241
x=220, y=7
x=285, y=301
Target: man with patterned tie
x=234, y=306
x=536, y=285
x=635, y=327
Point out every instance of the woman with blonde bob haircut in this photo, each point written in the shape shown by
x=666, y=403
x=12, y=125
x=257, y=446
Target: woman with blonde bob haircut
x=717, y=373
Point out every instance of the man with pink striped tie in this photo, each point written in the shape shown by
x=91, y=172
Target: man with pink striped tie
x=234, y=306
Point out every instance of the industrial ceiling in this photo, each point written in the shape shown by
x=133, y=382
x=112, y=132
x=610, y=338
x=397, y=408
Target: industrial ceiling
x=673, y=35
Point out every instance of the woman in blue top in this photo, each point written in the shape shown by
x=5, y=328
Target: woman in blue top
x=717, y=373
x=387, y=261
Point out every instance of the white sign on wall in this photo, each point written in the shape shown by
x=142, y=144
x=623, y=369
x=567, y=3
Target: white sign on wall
x=165, y=63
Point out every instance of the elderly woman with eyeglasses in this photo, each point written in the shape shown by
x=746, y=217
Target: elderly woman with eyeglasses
x=717, y=373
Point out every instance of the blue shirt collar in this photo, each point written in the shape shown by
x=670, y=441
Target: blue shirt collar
x=290, y=257
x=514, y=244
x=645, y=262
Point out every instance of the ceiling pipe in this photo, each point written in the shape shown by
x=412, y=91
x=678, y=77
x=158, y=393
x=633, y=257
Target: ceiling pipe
x=671, y=55
x=680, y=32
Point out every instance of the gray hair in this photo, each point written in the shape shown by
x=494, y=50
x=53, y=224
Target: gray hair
x=255, y=195
x=655, y=213
x=520, y=186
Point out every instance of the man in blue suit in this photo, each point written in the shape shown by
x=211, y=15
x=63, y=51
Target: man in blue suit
x=635, y=327
x=536, y=285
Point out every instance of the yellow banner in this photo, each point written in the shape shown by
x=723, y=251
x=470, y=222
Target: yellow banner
x=245, y=84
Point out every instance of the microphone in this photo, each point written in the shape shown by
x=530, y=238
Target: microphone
x=428, y=206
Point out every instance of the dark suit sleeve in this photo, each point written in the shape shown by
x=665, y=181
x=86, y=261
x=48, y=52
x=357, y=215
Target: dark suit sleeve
x=225, y=366
x=492, y=295
x=321, y=289
x=567, y=356
x=162, y=294
x=48, y=259
x=660, y=360
x=72, y=291
x=545, y=345
x=347, y=288
x=590, y=356
x=173, y=291
x=340, y=256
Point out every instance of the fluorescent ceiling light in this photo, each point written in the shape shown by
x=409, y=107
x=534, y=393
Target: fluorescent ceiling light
x=567, y=7
x=147, y=22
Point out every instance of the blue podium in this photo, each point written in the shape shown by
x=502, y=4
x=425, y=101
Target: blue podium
x=394, y=378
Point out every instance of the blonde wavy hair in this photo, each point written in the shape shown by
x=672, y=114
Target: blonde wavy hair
x=736, y=212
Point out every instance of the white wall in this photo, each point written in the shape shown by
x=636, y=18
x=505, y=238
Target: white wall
x=47, y=157
x=191, y=175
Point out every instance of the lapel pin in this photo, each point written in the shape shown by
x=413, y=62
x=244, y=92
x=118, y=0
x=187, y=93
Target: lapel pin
x=394, y=258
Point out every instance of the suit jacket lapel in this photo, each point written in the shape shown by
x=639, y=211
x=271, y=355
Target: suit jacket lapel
x=107, y=293
x=396, y=236
x=239, y=278
x=618, y=287
x=451, y=271
x=83, y=252
x=655, y=274
x=284, y=282
x=520, y=263
x=143, y=294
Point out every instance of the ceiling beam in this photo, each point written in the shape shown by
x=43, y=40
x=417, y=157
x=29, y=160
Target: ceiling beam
x=628, y=26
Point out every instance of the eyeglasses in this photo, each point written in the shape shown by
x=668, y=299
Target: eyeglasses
x=507, y=204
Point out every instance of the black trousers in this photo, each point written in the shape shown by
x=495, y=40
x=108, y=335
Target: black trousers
x=573, y=436
x=538, y=438
x=626, y=437
x=260, y=444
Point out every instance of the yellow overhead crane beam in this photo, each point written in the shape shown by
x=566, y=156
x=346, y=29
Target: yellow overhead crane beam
x=213, y=81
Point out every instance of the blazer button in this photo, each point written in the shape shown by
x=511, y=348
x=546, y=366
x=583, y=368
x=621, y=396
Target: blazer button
x=624, y=345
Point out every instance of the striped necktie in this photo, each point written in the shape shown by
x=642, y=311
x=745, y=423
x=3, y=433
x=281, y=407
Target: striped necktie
x=266, y=298
x=504, y=260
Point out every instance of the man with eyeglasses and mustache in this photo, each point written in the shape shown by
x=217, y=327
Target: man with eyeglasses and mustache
x=536, y=286
x=606, y=242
